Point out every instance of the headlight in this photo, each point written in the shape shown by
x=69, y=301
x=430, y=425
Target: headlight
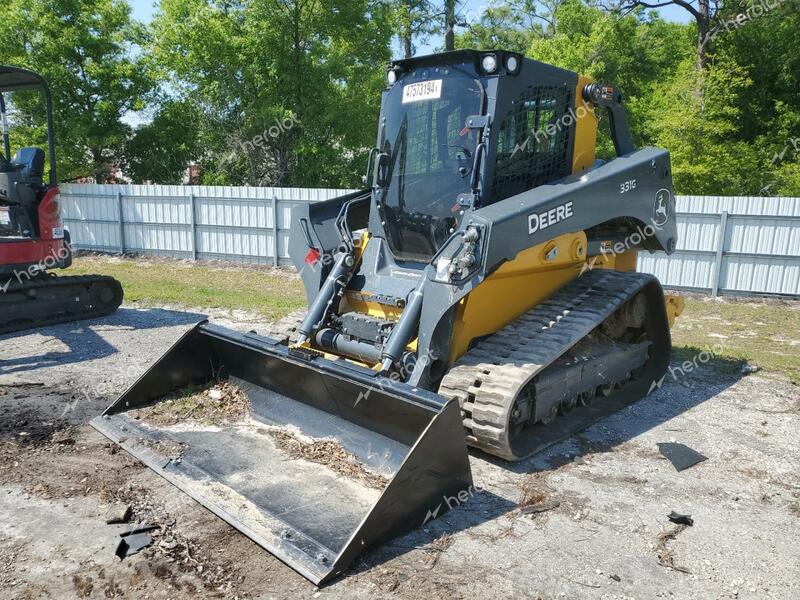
x=489, y=63
x=511, y=64
x=391, y=77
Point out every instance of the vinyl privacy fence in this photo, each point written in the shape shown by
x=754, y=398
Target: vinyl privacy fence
x=725, y=244
x=242, y=224
x=733, y=245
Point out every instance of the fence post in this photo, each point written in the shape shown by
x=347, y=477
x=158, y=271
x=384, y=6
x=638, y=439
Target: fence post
x=723, y=227
x=121, y=220
x=276, y=258
x=193, y=222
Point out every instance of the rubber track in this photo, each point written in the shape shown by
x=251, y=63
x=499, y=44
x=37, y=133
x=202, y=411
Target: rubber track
x=70, y=286
x=488, y=379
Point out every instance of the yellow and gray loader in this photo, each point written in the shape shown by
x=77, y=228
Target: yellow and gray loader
x=482, y=292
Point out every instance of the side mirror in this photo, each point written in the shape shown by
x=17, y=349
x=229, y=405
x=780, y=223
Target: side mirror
x=382, y=164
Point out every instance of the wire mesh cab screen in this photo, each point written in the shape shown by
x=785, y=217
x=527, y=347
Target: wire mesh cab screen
x=533, y=141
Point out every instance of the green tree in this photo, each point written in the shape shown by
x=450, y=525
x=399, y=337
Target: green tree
x=510, y=25
x=702, y=131
x=764, y=48
x=288, y=89
x=705, y=15
x=638, y=53
x=161, y=150
x=85, y=50
x=414, y=20
x=499, y=26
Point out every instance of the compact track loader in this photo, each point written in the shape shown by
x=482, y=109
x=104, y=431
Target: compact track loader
x=483, y=291
x=33, y=240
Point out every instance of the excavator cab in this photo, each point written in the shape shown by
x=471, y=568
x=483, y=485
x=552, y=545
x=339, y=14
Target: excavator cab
x=482, y=290
x=23, y=186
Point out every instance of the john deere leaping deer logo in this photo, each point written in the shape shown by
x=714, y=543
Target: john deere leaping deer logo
x=661, y=208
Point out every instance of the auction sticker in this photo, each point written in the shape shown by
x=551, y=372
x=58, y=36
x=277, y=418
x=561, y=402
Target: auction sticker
x=424, y=90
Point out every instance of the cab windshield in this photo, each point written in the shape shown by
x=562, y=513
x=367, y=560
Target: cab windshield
x=431, y=153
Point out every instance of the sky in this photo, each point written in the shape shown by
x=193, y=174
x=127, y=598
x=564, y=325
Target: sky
x=143, y=10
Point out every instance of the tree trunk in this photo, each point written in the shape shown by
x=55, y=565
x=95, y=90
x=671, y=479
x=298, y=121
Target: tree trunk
x=703, y=34
x=450, y=24
x=99, y=168
x=407, y=28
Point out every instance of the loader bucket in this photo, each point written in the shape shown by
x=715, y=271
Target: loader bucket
x=329, y=460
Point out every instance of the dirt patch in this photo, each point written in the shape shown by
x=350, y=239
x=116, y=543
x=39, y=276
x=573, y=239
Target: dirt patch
x=663, y=553
x=21, y=421
x=26, y=431
x=86, y=465
x=84, y=586
x=388, y=581
x=610, y=478
x=763, y=477
x=637, y=450
x=535, y=490
x=175, y=556
x=536, y=496
x=214, y=404
x=329, y=453
x=438, y=547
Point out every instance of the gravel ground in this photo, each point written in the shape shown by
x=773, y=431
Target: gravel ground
x=608, y=536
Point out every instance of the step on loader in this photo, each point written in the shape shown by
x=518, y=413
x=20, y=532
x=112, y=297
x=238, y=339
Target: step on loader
x=483, y=291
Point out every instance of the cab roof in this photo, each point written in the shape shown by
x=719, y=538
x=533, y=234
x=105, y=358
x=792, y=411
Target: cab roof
x=449, y=58
x=14, y=78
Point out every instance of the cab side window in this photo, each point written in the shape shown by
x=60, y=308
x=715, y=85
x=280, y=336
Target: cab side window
x=533, y=141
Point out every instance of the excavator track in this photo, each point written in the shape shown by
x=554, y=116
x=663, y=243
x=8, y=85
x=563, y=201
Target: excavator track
x=50, y=300
x=495, y=378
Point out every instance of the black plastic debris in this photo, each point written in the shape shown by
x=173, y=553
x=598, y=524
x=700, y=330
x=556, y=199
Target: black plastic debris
x=680, y=519
x=134, y=541
x=681, y=456
x=748, y=368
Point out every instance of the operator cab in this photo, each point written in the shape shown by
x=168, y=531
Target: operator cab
x=459, y=131
x=22, y=175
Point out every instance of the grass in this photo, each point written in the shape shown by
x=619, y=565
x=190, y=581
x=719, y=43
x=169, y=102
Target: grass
x=764, y=333
x=158, y=282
